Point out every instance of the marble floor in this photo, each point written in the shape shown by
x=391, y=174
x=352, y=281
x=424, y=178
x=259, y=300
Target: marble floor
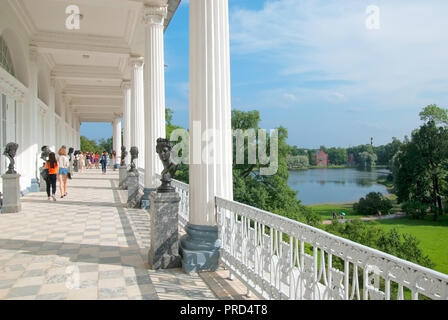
x=89, y=246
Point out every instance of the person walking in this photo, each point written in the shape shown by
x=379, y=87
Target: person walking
x=53, y=168
x=97, y=160
x=63, y=164
x=82, y=162
x=103, y=162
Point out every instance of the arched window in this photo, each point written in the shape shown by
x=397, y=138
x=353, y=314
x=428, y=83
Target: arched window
x=5, y=57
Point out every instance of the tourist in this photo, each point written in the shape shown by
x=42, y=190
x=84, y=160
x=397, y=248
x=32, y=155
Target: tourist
x=52, y=166
x=82, y=161
x=97, y=160
x=103, y=162
x=334, y=216
x=63, y=164
x=114, y=160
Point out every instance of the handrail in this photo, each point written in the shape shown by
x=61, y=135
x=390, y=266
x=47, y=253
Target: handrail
x=279, y=258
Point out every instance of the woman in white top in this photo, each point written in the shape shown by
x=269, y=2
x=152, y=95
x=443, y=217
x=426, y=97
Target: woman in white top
x=63, y=164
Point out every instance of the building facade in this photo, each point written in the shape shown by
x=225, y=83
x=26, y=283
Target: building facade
x=321, y=159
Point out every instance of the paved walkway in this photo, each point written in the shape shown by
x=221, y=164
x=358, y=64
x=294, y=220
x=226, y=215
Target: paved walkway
x=90, y=246
x=373, y=218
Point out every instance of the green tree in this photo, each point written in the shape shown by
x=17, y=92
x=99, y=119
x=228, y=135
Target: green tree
x=106, y=145
x=297, y=162
x=420, y=168
x=337, y=156
x=367, y=159
x=435, y=114
x=88, y=145
x=271, y=193
x=372, y=204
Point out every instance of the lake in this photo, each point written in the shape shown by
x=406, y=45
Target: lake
x=317, y=186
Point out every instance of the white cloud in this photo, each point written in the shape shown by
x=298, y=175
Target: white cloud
x=328, y=40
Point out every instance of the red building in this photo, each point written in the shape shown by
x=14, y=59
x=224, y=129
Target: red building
x=321, y=159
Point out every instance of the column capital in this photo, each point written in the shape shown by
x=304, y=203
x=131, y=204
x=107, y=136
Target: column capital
x=126, y=85
x=155, y=15
x=118, y=115
x=136, y=61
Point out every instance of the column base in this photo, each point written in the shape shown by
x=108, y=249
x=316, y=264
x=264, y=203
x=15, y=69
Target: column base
x=199, y=248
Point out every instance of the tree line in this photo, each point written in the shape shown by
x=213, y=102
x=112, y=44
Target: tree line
x=365, y=156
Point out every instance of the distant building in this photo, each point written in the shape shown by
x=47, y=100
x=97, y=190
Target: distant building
x=321, y=159
x=351, y=159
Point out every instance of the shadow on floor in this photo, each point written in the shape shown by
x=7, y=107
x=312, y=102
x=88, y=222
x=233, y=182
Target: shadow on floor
x=75, y=203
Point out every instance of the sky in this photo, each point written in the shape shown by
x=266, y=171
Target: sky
x=317, y=69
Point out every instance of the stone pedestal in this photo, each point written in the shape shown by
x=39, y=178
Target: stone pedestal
x=43, y=184
x=123, y=175
x=164, y=251
x=199, y=248
x=11, y=193
x=135, y=193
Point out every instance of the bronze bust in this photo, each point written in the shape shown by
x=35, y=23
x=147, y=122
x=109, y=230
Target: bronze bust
x=124, y=154
x=164, y=148
x=45, y=153
x=10, y=152
x=134, y=155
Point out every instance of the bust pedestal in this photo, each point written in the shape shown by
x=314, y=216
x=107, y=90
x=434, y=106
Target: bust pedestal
x=11, y=193
x=164, y=251
x=123, y=175
x=134, y=191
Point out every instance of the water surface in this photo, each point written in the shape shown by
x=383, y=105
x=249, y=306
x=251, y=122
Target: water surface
x=335, y=185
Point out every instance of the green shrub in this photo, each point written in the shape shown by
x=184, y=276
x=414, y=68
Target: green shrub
x=373, y=203
x=416, y=209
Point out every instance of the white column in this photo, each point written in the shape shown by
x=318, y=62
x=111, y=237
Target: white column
x=51, y=117
x=154, y=17
x=69, y=129
x=33, y=114
x=117, y=137
x=210, y=109
x=64, y=107
x=137, y=109
x=126, y=87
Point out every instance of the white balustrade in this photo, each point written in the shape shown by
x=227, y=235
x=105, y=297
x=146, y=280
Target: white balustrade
x=278, y=258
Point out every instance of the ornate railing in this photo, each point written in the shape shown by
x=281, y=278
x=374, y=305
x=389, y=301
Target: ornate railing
x=183, y=190
x=278, y=258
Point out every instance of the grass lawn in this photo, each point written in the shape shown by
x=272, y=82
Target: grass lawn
x=433, y=237
x=326, y=210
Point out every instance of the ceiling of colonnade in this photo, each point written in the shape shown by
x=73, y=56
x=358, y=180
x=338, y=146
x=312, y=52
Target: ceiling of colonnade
x=89, y=63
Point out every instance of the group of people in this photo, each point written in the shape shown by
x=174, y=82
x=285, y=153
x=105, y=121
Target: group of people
x=91, y=160
x=59, y=168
